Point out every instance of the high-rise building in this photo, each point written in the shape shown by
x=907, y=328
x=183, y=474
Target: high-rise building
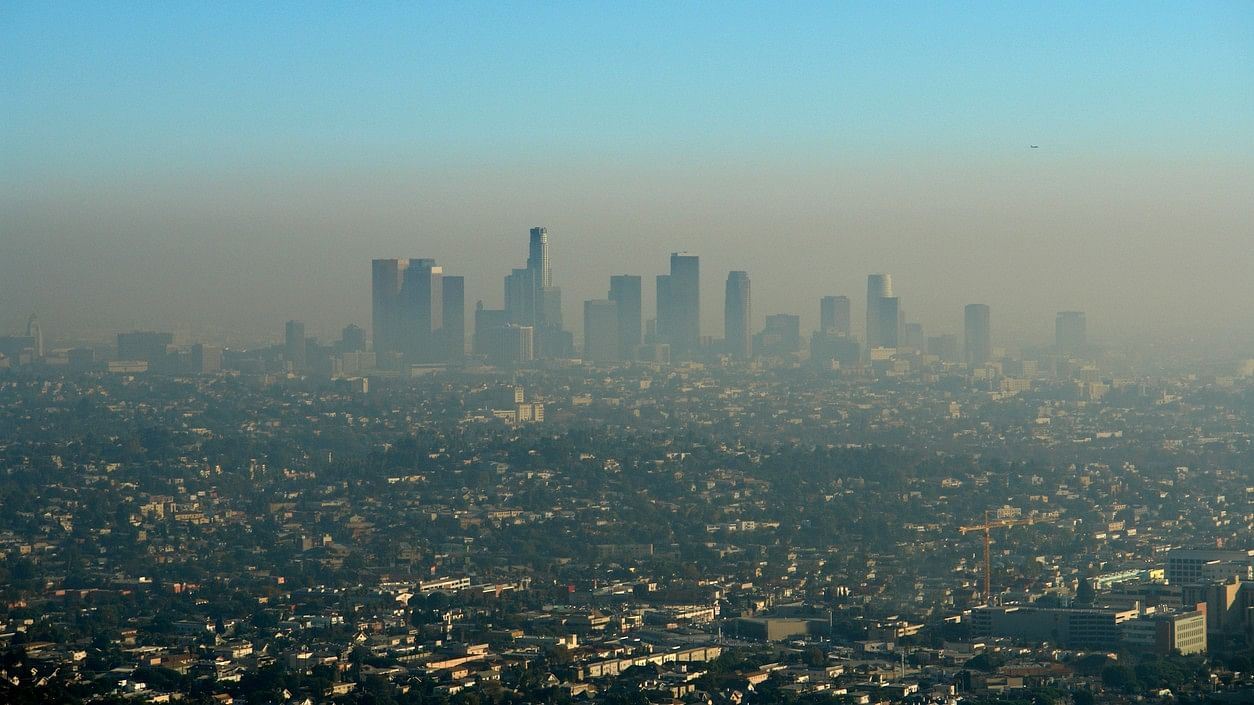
x=828, y=347
x=294, y=345
x=19, y=349
x=408, y=311
x=878, y=288
x=422, y=311
x=834, y=315
x=1071, y=332
x=532, y=300
x=205, y=359
x=453, y=330
x=549, y=307
x=520, y=296
x=625, y=293
x=487, y=320
x=685, y=304
x=943, y=346
x=780, y=336
x=387, y=278
x=911, y=336
x=977, y=335
x=737, y=316
x=600, y=330
x=662, y=322
x=80, y=359
x=36, y=333
x=508, y=344
x=538, y=257
x=352, y=339
x=889, y=323
x=149, y=346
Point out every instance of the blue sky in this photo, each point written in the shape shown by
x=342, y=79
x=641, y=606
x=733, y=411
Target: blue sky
x=95, y=85
x=866, y=132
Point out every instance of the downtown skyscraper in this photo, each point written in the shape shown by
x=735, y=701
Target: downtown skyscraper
x=883, y=313
x=679, y=305
x=737, y=315
x=294, y=345
x=531, y=299
x=625, y=293
x=834, y=315
x=600, y=330
x=1071, y=335
x=977, y=334
x=408, y=311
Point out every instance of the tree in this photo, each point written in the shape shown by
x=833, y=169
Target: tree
x=985, y=662
x=1084, y=594
x=1120, y=677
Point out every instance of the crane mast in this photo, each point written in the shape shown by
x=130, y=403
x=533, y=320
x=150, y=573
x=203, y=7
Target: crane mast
x=986, y=528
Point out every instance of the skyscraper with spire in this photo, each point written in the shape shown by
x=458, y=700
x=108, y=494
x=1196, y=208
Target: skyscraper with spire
x=532, y=300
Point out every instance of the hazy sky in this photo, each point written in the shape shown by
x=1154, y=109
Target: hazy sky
x=227, y=166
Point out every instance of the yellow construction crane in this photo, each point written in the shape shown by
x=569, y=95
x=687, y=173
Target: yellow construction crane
x=987, y=527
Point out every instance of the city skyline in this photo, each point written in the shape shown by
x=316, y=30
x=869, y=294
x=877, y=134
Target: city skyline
x=489, y=353
x=212, y=169
x=389, y=283
x=1070, y=332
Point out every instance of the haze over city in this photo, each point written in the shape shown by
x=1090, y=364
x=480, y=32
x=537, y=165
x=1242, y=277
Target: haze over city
x=224, y=168
x=631, y=353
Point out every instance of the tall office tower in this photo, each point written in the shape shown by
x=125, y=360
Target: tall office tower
x=977, y=335
x=408, y=309
x=519, y=344
x=538, y=257
x=829, y=349
x=549, y=307
x=834, y=315
x=387, y=278
x=486, y=321
x=912, y=336
x=352, y=339
x=737, y=310
x=294, y=345
x=422, y=310
x=780, y=336
x=1071, y=332
x=205, y=359
x=600, y=330
x=520, y=296
x=85, y=358
x=943, y=346
x=888, y=323
x=532, y=300
x=685, y=304
x=453, y=330
x=508, y=344
x=144, y=345
x=662, y=323
x=36, y=333
x=878, y=288
x=625, y=293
